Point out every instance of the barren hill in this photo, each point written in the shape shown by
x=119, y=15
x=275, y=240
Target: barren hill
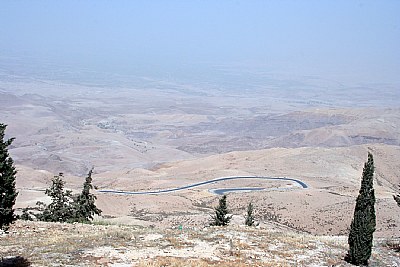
x=333, y=176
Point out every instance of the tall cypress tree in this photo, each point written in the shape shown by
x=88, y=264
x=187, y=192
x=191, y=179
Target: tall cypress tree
x=8, y=192
x=364, y=220
x=85, y=207
x=221, y=217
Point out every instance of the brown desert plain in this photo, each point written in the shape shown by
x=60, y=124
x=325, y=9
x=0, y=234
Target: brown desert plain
x=149, y=135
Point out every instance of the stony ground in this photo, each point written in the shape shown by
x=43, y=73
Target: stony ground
x=57, y=244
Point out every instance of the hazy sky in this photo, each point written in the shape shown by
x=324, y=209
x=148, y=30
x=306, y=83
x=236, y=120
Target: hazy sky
x=355, y=40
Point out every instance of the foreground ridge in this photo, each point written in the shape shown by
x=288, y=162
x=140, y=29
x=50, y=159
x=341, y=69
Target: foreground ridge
x=50, y=244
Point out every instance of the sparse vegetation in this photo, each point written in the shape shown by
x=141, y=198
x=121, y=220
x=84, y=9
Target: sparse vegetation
x=63, y=244
x=8, y=192
x=221, y=217
x=364, y=220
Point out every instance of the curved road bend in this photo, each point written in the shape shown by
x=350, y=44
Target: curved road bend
x=162, y=191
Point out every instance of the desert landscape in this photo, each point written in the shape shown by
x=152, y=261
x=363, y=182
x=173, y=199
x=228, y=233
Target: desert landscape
x=156, y=135
x=208, y=133
x=145, y=134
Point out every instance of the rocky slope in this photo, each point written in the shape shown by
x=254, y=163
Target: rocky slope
x=55, y=244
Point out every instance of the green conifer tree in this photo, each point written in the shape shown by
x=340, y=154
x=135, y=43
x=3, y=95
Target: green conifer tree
x=84, y=203
x=364, y=220
x=250, y=217
x=8, y=192
x=221, y=217
x=61, y=208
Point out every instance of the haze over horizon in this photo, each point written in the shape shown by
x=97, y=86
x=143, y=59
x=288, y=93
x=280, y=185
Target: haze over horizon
x=345, y=41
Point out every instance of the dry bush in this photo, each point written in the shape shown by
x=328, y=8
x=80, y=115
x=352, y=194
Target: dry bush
x=393, y=245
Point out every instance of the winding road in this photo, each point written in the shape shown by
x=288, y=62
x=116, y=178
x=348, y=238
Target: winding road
x=215, y=191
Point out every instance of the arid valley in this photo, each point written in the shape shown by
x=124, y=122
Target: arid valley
x=145, y=134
